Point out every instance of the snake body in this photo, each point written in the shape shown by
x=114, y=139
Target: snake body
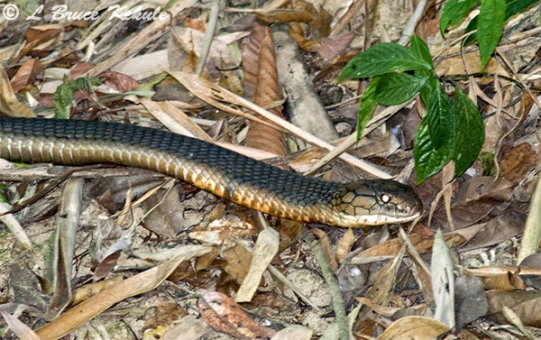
x=240, y=179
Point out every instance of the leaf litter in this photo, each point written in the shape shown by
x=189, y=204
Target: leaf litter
x=147, y=258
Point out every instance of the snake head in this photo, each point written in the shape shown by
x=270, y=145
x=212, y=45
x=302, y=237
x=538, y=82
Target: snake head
x=375, y=202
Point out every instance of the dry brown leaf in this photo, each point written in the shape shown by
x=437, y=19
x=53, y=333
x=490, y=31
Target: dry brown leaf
x=392, y=247
x=251, y=46
x=190, y=327
x=495, y=231
x=334, y=46
x=320, y=26
x=238, y=261
x=165, y=315
x=344, y=246
x=79, y=69
x=230, y=80
x=507, y=282
x=118, y=81
x=26, y=74
x=517, y=162
x=284, y=15
x=484, y=187
x=199, y=24
x=89, y=290
x=165, y=215
x=526, y=304
x=174, y=119
x=9, y=104
x=267, y=92
x=225, y=315
x=296, y=31
x=326, y=248
x=385, y=280
x=381, y=310
x=455, y=64
x=107, y=264
x=420, y=270
x=37, y=35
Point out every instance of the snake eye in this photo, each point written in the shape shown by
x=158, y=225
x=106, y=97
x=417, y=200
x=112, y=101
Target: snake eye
x=385, y=198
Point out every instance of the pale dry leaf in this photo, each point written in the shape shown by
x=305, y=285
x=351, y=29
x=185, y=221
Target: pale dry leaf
x=296, y=332
x=135, y=285
x=14, y=226
x=217, y=96
x=515, y=320
x=443, y=281
x=381, y=310
x=223, y=232
x=141, y=39
x=191, y=327
x=414, y=327
x=21, y=330
x=67, y=224
x=266, y=248
x=532, y=229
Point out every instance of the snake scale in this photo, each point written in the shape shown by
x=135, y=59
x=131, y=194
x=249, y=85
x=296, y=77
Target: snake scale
x=240, y=179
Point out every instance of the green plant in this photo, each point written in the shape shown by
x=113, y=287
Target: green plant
x=487, y=26
x=452, y=129
x=64, y=95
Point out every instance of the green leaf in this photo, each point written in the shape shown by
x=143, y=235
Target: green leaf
x=472, y=26
x=490, y=28
x=95, y=81
x=368, y=105
x=470, y=132
x=431, y=86
x=420, y=50
x=64, y=95
x=454, y=12
x=63, y=100
x=380, y=59
x=396, y=88
x=429, y=159
x=516, y=6
x=441, y=118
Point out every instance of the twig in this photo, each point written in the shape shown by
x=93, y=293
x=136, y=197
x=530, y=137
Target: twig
x=337, y=300
x=209, y=37
x=412, y=23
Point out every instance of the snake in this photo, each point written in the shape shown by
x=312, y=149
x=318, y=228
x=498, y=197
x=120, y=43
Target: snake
x=224, y=173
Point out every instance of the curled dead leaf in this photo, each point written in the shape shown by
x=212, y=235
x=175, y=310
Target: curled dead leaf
x=224, y=315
